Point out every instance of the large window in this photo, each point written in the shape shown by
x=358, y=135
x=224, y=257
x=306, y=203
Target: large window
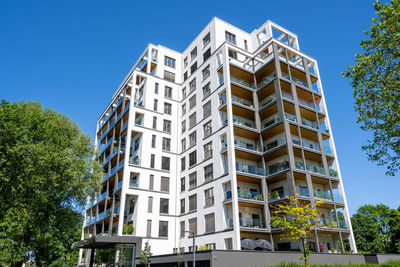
x=193, y=202
x=192, y=120
x=163, y=229
x=169, y=76
x=164, y=205
x=167, y=126
x=155, y=105
x=209, y=197
x=164, y=184
x=168, y=92
x=208, y=172
x=192, y=158
x=208, y=150
x=193, y=54
x=167, y=108
x=207, y=109
x=193, y=225
x=192, y=102
x=231, y=38
x=192, y=179
x=206, y=39
x=165, y=164
x=206, y=72
x=150, y=205
x=170, y=62
x=183, y=163
x=192, y=139
x=207, y=129
x=183, y=92
x=183, y=184
x=182, y=206
x=210, y=223
x=166, y=144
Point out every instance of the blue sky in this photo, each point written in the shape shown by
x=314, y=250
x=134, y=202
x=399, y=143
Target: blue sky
x=72, y=55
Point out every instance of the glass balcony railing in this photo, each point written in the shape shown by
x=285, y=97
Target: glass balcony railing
x=266, y=101
x=311, y=145
x=290, y=117
x=241, y=64
x=244, y=122
x=100, y=216
x=222, y=100
x=242, y=82
x=247, y=194
x=342, y=224
x=139, y=102
x=135, y=161
x=242, y=101
x=328, y=150
x=271, y=121
x=312, y=124
x=338, y=198
x=315, y=169
x=330, y=223
x=115, y=151
x=306, y=103
x=287, y=95
x=126, y=108
x=332, y=172
x=119, y=186
x=302, y=191
x=104, y=134
x=251, y=223
x=108, y=211
x=246, y=168
x=275, y=143
x=324, y=128
x=101, y=197
x=285, y=75
x=270, y=77
x=299, y=164
x=133, y=183
x=322, y=194
x=245, y=145
x=276, y=195
x=113, y=170
x=277, y=167
x=105, y=161
x=299, y=82
x=104, y=178
x=264, y=58
x=139, y=121
x=124, y=126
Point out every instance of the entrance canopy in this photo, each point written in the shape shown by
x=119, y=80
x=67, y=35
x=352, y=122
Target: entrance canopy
x=100, y=242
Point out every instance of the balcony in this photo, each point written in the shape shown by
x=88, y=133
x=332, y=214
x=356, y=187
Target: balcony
x=105, y=161
x=247, y=194
x=139, y=102
x=276, y=195
x=266, y=101
x=291, y=117
x=118, y=187
x=229, y=223
x=328, y=150
x=100, y=216
x=299, y=164
x=270, y=77
x=311, y=145
x=246, y=168
x=242, y=101
x=247, y=146
x=277, y=167
x=287, y=95
x=101, y=197
x=332, y=172
x=306, y=103
x=262, y=59
x=108, y=212
x=315, y=169
x=104, y=178
x=135, y=161
x=275, y=143
x=338, y=198
x=312, y=124
x=302, y=191
x=297, y=81
x=244, y=122
x=124, y=126
x=322, y=194
x=328, y=223
x=324, y=128
x=251, y=223
x=241, y=64
x=242, y=82
x=270, y=121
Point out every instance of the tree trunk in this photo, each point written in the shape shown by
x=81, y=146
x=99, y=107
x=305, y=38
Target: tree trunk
x=306, y=263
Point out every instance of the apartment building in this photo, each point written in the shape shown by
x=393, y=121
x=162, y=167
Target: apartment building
x=208, y=140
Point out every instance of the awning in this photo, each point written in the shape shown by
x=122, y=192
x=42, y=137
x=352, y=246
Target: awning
x=255, y=244
x=107, y=241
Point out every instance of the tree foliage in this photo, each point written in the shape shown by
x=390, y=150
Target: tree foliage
x=46, y=170
x=376, y=82
x=377, y=229
x=145, y=254
x=297, y=220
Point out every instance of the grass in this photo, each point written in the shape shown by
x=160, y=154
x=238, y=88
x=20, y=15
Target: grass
x=387, y=264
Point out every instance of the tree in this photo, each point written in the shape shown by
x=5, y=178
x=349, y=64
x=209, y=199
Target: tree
x=376, y=83
x=46, y=171
x=376, y=228
x=145, y=254
x=298, y=220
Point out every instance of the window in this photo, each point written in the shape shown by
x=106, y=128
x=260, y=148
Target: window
x=192, y=179
x=210, y=223
x=183, y=92
x=163, y=229
x=155, y=105
x=232, y=54
x=193, y=202
x=207, y=109
x=167, y=108
x=168, y=92
x=192, y=120
x=156, y=88
x=164, y=203
x=151, y=182
x=231, y=38
x=182, y=206
x=165, y=163
x=167, y=126
x=185, y=76
x=207, y=129
x=206, y=40
x=206, y=90
x=182, y=224
x=164, y=184
x=193, y=68
x=148, y=231
x=206, y=72
x=209, y=197
x=170, y=62
x=183, y=109
x=154, y=122
x=208, y=172
x=192, y=102
x=152, y=159
x=192, y=158
x=169, y=76
x=207, y=54
x=208, y=150
x=153, y=141
x=245, y=45
x=132, y=206
x=150, y=205
x=183, y=126
x=192, y=139
x=185, y=62
x=183, y=144
x=193, y=54
x=192, y=85
x=166, y=144
x=183, y=184
x=193, y=225
x=183, y=163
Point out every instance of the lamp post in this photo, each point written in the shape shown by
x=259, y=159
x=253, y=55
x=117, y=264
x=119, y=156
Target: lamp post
x=194, y=246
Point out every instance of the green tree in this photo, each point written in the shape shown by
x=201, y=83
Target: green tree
x=145, y=254
x=298, y=220
x=394, y=224
x=376, y=82
x=374, y=227
x=46, y=171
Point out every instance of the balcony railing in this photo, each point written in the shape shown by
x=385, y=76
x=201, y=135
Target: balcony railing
x=314, y=168
x=222, y=100
x=328, y=150
x=139, y=121
x=135, y=161
x=266, y=101
x=139, y=102
x=119, y=186
x=265, y=58
x=290, y=117
x=270, y=77
x=247, y=194
x=330, y=223
x=121, y=163
x=302, y=191
x=338, y=198
x=306, y=103
x=322, y=194
x=287, y=95
x=229, y=223
x=100, y=216
x=242, y=101
x=299, y=164
x=242, y=144
x=299, y=82
x=241, y=64
x=275, y=195
x=277, y=167
x=124, y=126
x=312, y=124
x=324, y=128
x=101, y=197
x=104, y=178
x=251, y=223
x=332, y=172
x=246, y=168
x=275, y=143
x=242, y=82
x=244, y=122
x=270, y=122
x=311, y=145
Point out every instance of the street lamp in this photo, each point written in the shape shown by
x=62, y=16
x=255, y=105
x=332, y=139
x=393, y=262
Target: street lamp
x=194, y=246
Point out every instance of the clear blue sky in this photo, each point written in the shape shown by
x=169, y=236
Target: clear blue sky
x=72, y=55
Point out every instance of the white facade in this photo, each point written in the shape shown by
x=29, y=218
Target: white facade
x=262, y=130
